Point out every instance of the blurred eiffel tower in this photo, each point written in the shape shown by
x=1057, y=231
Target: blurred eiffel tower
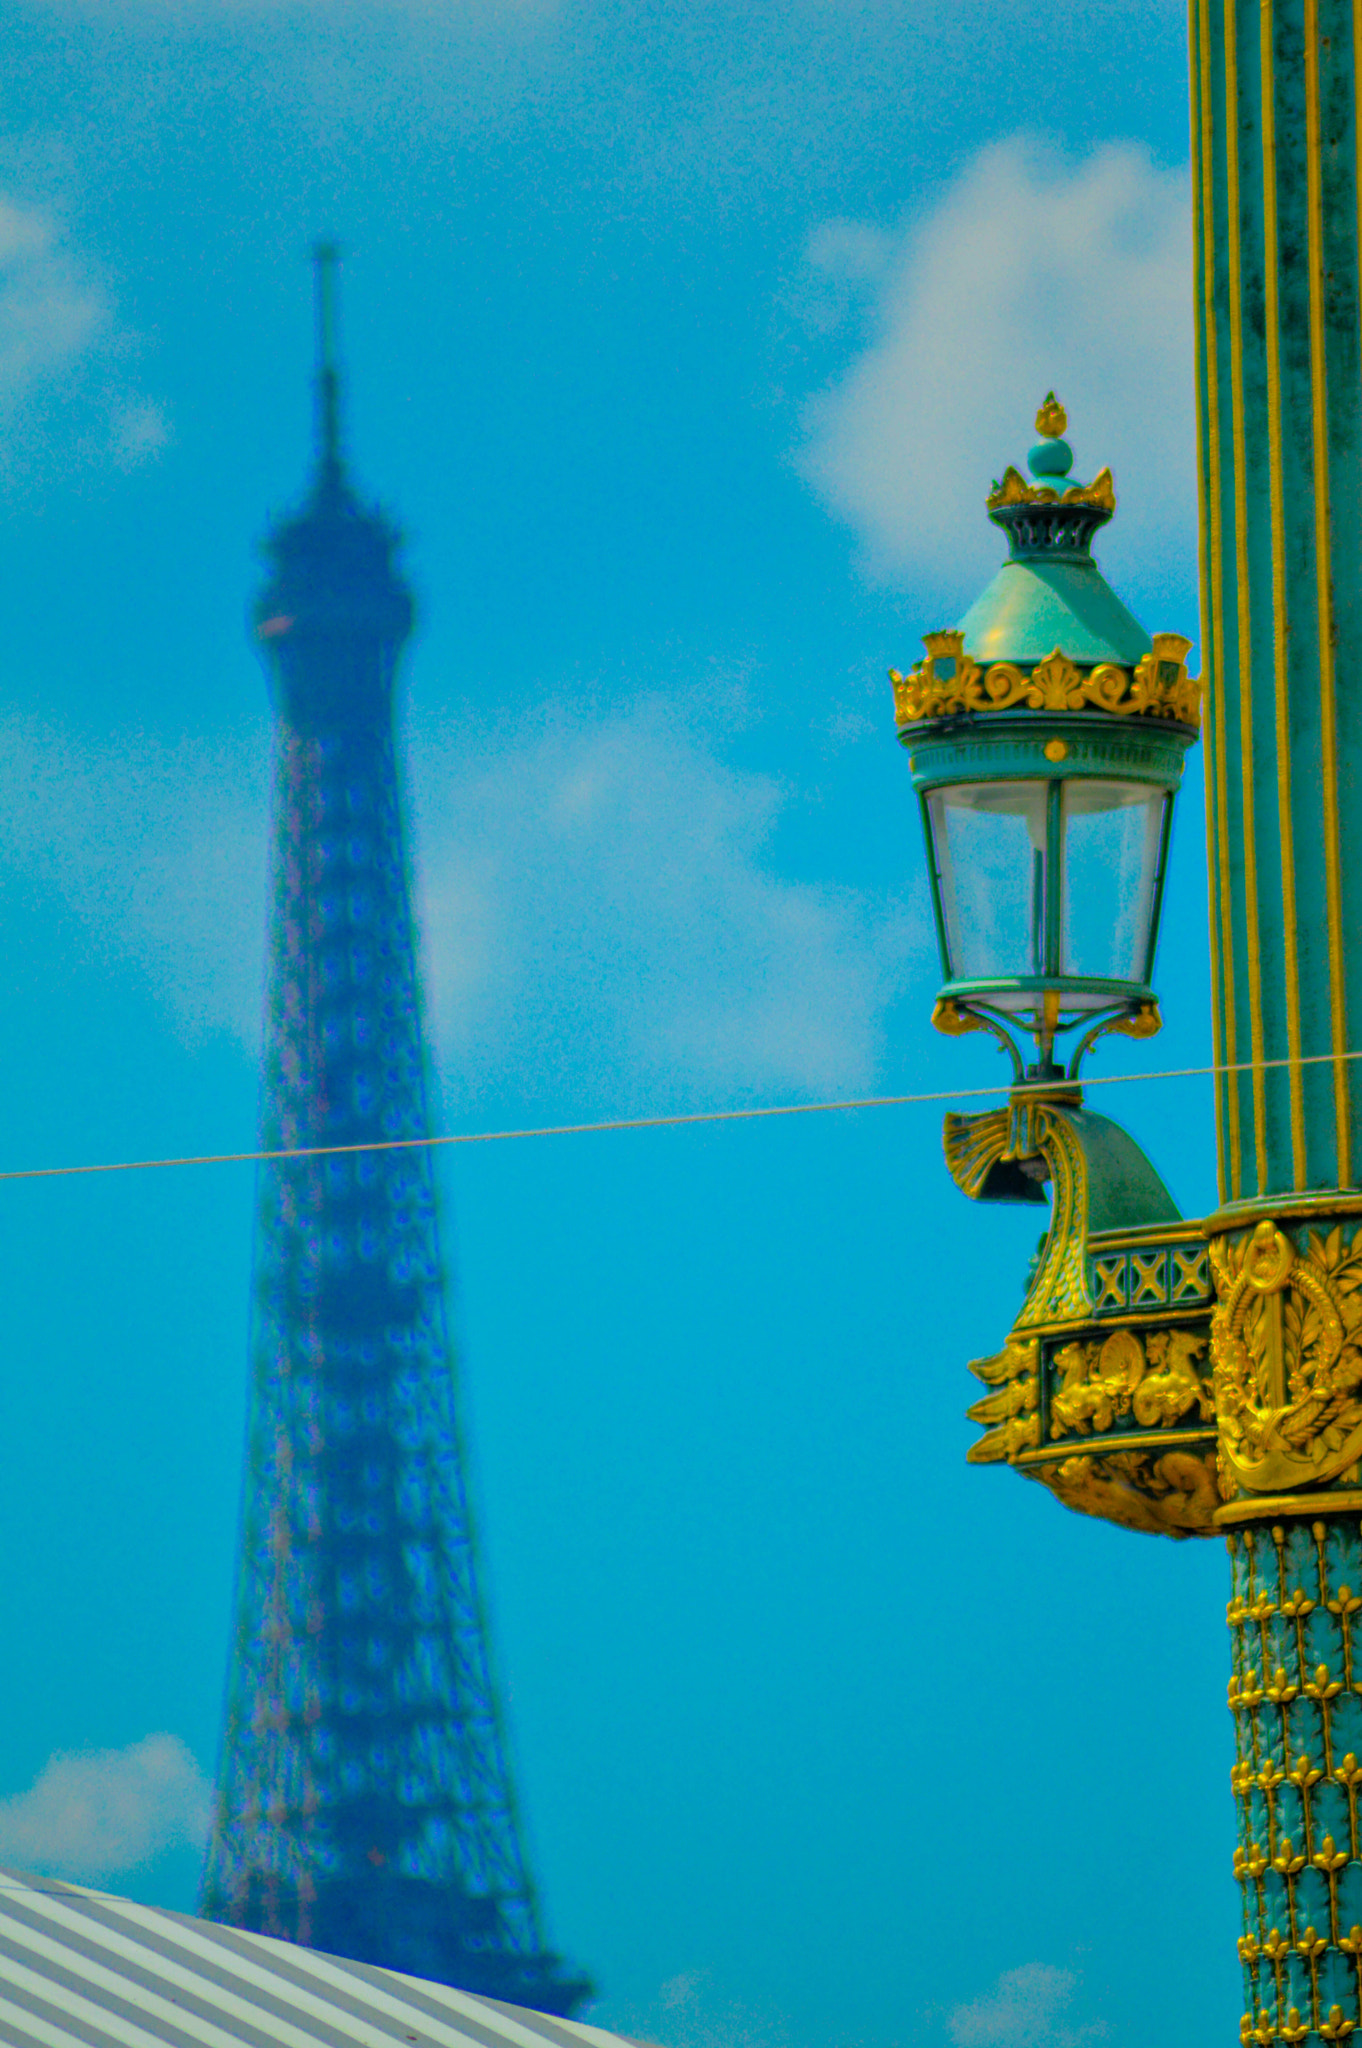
x=364, y=1803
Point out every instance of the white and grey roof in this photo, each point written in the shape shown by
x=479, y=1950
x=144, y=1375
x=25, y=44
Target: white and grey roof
x=82, y=1969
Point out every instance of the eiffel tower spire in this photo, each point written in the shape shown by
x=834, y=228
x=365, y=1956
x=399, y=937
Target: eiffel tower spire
x=364, y=1800
x=326, y=379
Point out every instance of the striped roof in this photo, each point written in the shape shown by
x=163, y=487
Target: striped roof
x=78, y=1966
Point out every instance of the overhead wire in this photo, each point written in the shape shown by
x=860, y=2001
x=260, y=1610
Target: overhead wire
x=662, y=1122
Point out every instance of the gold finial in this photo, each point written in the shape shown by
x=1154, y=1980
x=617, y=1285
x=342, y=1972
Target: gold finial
x=1052, y=419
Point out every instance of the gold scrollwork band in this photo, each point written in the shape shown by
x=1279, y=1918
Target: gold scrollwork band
x=948, y=680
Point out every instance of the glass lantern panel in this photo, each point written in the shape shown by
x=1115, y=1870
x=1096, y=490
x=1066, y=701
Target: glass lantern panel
x=1111, y=837
x=989, y=843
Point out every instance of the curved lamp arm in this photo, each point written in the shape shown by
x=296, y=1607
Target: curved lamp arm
x=1141, y=1023
x=957, y=1023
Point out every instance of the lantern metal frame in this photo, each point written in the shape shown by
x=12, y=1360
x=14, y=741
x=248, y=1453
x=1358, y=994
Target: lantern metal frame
x=1050, y=749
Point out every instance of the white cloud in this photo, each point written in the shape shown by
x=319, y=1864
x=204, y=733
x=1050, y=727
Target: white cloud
x=602, y=910
x=65, y=395
x=604, y=916
x=1031, y=271
x=88, y=1815
x=49, y=312
x=1025, y=2009
x=690, y=2011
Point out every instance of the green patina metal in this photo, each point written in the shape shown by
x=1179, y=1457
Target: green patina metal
x=1202, y=1378
x=1049, y=683
x=999, y=746
x=1032, y=606
x=1297, y=1649
x=1123, y=1189
x=1050, y=592
x=1279, y=369
x=1279, y=366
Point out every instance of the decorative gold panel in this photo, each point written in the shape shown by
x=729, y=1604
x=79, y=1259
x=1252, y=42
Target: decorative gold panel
x=1286, y=1356
x=1153, y=1378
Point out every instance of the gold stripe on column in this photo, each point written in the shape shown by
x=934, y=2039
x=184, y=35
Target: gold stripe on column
x=1222, y=1082
x=1280, y=616
x=1328, y=737
x=1216, y=665
x=1243, y=641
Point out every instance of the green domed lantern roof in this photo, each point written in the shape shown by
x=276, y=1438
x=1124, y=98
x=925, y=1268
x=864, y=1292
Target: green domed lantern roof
x=1046, y=736
x=1049, y=599
x=1050, y=592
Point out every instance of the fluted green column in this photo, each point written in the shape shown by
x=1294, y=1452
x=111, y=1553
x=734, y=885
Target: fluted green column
x=1277, y=188
x=1276, y=194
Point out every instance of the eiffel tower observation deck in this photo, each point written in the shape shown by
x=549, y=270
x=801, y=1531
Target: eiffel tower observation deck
x=364, y=1801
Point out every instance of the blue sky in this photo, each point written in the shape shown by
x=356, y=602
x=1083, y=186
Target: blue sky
x=685, y=342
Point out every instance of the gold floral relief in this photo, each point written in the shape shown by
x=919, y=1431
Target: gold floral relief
x=1015, y=490
x=1150, y=1380
x=1161, y=684
x=1013, y=1410
x=974, y=1145
x=1170, y=1493
x=948, y=680
x=1286, y=1356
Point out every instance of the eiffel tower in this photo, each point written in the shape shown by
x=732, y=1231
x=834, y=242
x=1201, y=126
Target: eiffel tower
x=364, y=1802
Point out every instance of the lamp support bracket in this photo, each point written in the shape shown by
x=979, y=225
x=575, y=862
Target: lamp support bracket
x=1101, y=1392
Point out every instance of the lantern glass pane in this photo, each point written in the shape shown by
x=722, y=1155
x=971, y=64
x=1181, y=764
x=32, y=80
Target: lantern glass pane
x=989, y=843
x=1112, y=832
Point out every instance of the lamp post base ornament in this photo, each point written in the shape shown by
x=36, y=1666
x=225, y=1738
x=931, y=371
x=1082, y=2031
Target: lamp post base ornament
x=1202, y=1379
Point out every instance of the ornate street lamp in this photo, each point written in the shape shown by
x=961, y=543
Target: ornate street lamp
x=1046, y=737
x=1200, y=1378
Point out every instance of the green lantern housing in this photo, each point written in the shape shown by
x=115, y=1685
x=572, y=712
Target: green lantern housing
x=1046, y=737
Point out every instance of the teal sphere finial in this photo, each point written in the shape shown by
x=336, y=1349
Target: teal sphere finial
x=1052, y=458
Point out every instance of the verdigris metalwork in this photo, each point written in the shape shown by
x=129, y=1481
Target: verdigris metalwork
x=1276, y=185
x=1296, y=1697
x=1276, y=195
x=1045, y=719
x=1261, y=1377
x=1103, y=1390
x=1193, y=1378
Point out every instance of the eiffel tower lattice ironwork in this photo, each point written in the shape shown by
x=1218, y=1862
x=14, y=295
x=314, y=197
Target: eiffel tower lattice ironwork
x=364, y=1802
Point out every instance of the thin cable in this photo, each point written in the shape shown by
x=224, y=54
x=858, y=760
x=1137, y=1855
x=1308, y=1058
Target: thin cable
x=654, y=1123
